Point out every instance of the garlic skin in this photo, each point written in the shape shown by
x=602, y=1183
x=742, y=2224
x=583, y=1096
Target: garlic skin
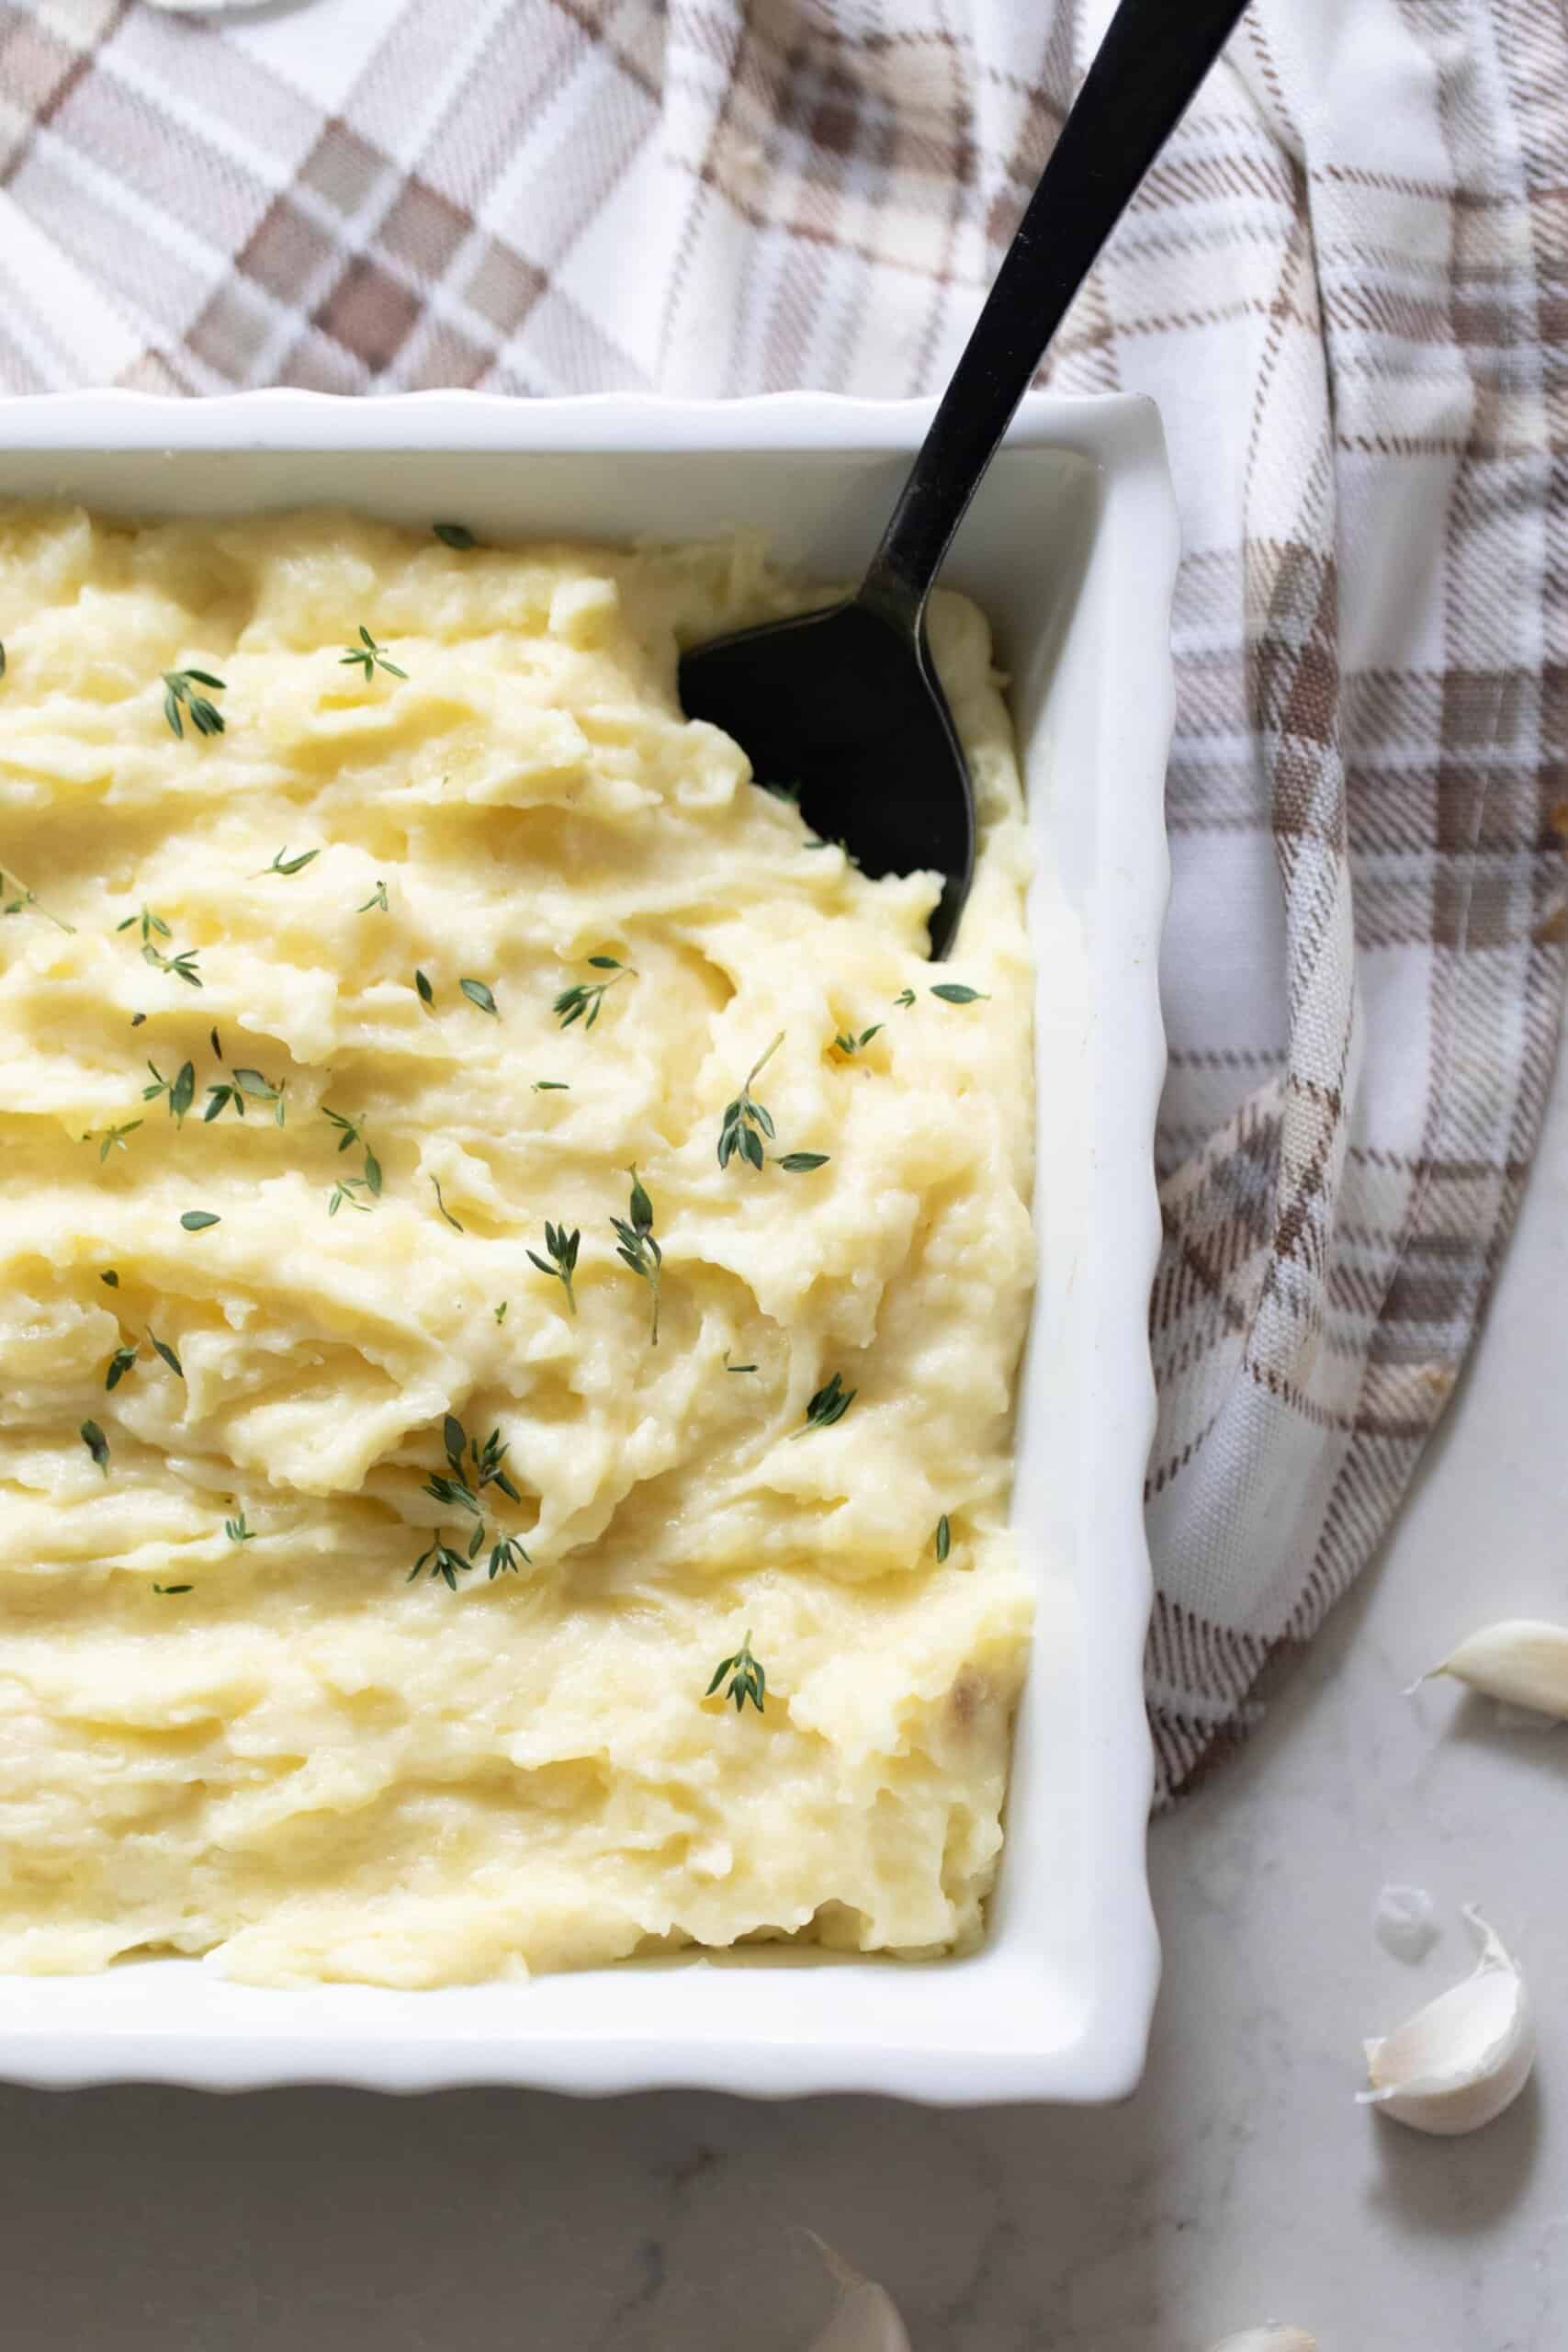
x=1405, y=1922
x=1458, y=2063
x=865, y=2318
x=1268, y=2340
x=1521, y=1660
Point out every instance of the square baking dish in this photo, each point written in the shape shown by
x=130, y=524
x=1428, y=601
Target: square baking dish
x=1070, y=548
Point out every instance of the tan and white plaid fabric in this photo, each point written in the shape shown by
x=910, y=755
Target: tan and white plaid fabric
x=1347, y=283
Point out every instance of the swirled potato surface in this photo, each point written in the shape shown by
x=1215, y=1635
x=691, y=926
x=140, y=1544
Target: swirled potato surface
x=364, y=1627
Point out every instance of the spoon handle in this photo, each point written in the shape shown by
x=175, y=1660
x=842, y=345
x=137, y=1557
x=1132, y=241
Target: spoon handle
x=1147, y=70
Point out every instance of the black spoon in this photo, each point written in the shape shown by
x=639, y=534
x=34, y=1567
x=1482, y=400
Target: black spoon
x=844, y=703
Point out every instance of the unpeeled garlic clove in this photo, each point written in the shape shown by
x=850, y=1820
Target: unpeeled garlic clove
x=1522, y=1661
x=1268, y=2339
x=865, y=2320
x=1458, y=2063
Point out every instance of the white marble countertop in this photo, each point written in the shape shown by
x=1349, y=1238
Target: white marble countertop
x=1242, y=2182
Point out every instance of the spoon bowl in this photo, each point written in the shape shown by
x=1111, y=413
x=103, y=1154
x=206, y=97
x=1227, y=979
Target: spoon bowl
x=843, y=704
x=842, y=709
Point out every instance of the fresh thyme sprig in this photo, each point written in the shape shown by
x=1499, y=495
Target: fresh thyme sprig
x=800, y=1163
x=235, y=1091
x=637, y=1247
x=180, y=1089
x=476, y=993
x=905, y=996
x=848, y=1043
x=442, y=1208
x=378, y=899
x=236, y=1530
x=454, y=535
x=198, y=1220
x=171, y=1588
x=370, y=656
x=97, y=1444
x=352, y=1131
x=120, y=1364
x=283, y=864
x=584, y=999
x=344, y=1194
x=747, y=1121
x=954, y=992
x=550, y=1086
x=830, y=1403
x=470, y=1468
x=179, y=691
x=562, y=1262
x=747, y=1677
x=153, y=928
x=426, y=993
x=943, y=1537
x=113, y=1138
x=25, y=898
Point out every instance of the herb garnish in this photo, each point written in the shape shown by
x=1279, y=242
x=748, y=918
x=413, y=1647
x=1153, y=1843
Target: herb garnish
x=738, y=1367
x=637, y=1248
x=500, y=1311
x=236, y=1530
x=283, y=864
x=458, y=1490
x=97, y=1444
x=830, y=1403
x=120, y=1364
x=29, y=899
x=943, y=1537
x=235, y=1091
x=180, y=1089
x=109, y=1276
x=378, y=899
x=217, y=1047
x=445, y=1210
x=476, y=993
x=205, y=716
x=562, y=1247
x=343, y=1194
x=585, y=997
x=426, y=993
x=453, y=534
x=550, y=1086
x=113, y=1139
x=161, y=1347
x=852, y=1045
x=953, y=992
x=173, y=1588
x=746, y=1122
x=904, y=996
x=800, y=1163
x=198, y=1220
x=748, y=1680
x=181, y=965
x=369, y=655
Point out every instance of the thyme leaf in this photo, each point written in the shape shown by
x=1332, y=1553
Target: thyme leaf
x=747, y=1677
x=746, y=1121
x=561, y=1264
x=829, y=1403
x=637, y=1247
x=179, y=695
x=584, y=1000
x=370, y=656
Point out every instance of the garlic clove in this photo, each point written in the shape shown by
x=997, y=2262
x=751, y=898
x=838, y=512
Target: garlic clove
x=1522, y=1660
x=1268, y=2339
x=865, y=2318
x=1458, y=2063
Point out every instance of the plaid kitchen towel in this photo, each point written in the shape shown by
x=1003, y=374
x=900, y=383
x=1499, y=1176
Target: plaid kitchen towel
x=1346, y=283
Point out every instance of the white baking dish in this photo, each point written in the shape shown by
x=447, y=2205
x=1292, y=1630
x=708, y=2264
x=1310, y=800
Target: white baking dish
x=1071, y=548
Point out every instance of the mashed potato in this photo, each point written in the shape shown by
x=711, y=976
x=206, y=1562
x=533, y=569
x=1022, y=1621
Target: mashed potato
x=293, y=1113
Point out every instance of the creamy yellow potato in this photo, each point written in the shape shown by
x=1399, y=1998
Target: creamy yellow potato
x=346, y=927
